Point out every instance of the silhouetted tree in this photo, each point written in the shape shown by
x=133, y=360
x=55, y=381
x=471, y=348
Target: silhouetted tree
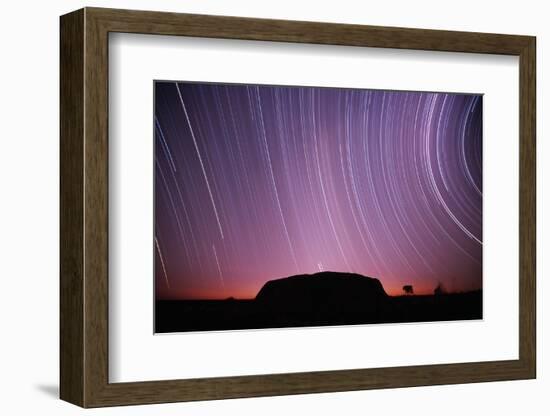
x=439, y=290
x=408, y=289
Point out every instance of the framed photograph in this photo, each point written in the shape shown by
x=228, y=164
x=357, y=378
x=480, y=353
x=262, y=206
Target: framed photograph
x=255, y=207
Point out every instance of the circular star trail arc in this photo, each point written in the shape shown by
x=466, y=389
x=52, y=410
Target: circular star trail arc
x=254, y=183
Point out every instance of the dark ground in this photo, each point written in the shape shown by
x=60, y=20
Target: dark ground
x=206, y=315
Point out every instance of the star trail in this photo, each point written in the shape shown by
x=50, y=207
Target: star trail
x=254, y=183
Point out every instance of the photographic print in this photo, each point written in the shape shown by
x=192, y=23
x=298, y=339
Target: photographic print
x=295, y=206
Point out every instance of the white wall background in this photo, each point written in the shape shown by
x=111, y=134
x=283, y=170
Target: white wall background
x=29, y=86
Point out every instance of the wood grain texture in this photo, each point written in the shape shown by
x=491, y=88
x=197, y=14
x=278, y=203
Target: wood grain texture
x=162, y=23
x=71, y=99
x=527, y=208
x=84, y=207
x=96, y=208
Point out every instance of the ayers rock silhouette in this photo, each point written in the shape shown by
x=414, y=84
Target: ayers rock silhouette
x=323, y=292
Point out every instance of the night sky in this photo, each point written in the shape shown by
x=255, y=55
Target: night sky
x=254, y=183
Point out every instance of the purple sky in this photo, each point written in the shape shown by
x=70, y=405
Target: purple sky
x=254, y=183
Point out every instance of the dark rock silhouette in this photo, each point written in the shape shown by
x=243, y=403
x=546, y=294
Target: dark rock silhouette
x=326, y=298
x=323, y=292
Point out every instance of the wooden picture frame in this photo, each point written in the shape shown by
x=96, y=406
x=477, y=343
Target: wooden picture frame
x=84, y=207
